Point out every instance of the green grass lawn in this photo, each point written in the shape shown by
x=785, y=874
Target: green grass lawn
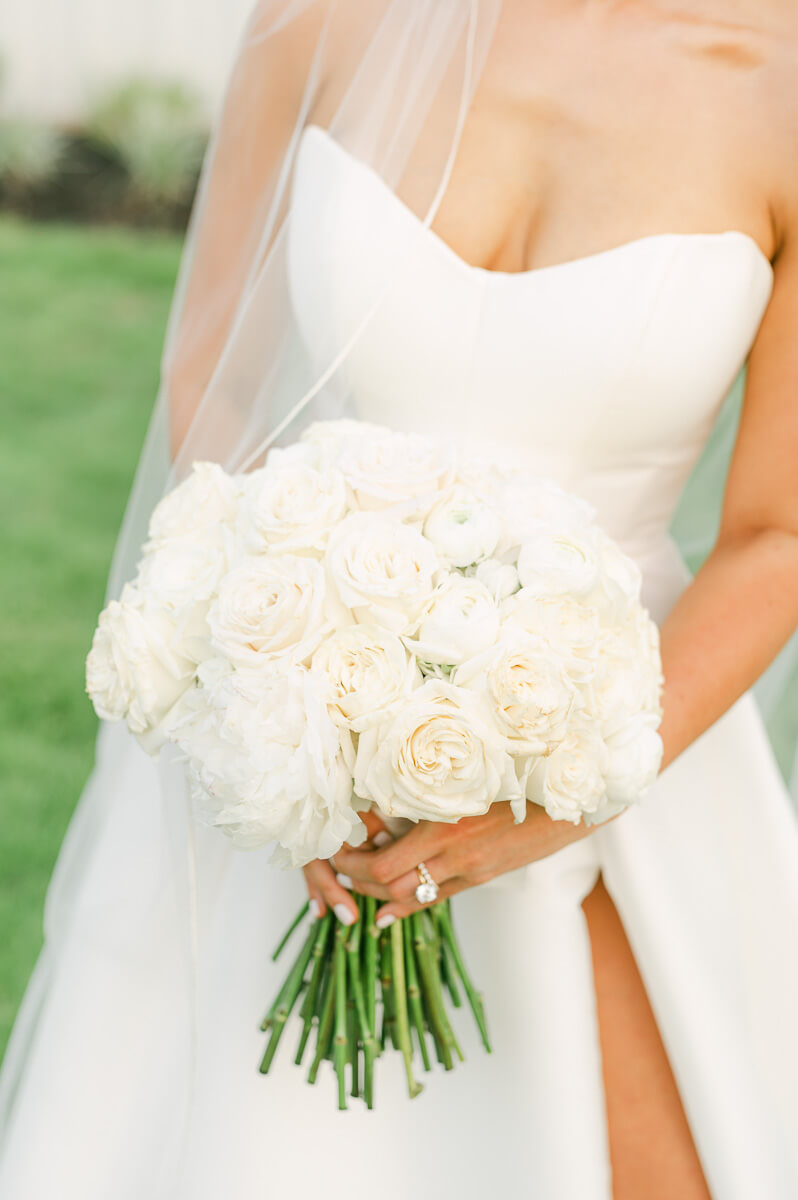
x=82, y=315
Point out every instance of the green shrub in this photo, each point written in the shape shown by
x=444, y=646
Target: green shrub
x=29, y=154
x=156, y=131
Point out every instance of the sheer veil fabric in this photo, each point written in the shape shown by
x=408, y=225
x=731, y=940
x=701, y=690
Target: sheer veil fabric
x=393, y=81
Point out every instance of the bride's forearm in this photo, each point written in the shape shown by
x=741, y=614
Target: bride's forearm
x=725, y=629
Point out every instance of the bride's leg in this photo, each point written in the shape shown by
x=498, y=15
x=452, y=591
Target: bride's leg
x=651, y=1148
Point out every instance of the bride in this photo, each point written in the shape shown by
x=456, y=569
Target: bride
x=554, y=230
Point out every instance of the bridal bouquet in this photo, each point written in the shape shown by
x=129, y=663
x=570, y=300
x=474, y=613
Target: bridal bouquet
x=371, y=620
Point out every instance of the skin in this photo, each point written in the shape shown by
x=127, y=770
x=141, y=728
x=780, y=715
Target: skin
x=596, y=123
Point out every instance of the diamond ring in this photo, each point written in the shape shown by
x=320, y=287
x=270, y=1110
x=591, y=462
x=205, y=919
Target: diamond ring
x=427, y=890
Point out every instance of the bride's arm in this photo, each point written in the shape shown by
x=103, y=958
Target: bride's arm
x=725, y=629
x=742, y=606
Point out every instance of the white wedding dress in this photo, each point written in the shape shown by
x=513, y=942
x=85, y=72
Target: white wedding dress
x=605, y=372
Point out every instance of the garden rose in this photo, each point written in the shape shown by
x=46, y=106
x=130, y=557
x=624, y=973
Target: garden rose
x=381, y=570
x=133, y=670
x=367, y=671
x=291, y=508
x=270, y=611
x=571, y=781
x=208, y=496
x=439, y=758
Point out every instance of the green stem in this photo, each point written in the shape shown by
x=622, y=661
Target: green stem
x=474, y=998
x=288, y=997
x=284, y=940
x=448, y=966
x=400, y=1001
x=364, y=1023
x=386, y=980
x=425, y=943
x=325, y=1026
x=310, y=1003
x=414, y=992
x=372, y=938
x=340, y=1053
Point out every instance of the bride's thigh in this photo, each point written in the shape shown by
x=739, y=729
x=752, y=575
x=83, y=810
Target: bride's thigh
x=651, y=1148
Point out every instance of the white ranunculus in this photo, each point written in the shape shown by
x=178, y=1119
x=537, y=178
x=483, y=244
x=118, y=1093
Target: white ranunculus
x=572, y=628
x=132, y=669
x=367, y=671
x=526, y=504
x=463, y=527
x=401, y=472
x=501, y=579
x=555, y=563
x=291, y=508
x=571, y=781
x=382, y=570
x=439, y=758
x=208, y=496
x=635, y=754
x=270, y=611
x=266, y=765
x=525, y=686
x=461, y=620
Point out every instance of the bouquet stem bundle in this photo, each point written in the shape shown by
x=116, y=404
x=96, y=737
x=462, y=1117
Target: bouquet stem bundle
x=344, y=975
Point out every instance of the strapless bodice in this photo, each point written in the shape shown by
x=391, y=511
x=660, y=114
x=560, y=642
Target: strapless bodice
x=605, y=372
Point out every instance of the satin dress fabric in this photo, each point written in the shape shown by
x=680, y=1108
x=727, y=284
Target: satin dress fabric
x=605, y=373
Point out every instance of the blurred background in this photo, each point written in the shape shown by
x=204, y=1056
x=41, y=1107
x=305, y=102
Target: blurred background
x=104, y=116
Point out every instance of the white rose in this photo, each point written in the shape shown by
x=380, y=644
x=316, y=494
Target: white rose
x=570, y=782
x=182, y=575
x=269, y=611
x=132, y=669
x=527, y=504
x=208, y=496
x=572, y=628
x=381, y=570
x=635, y=754
x=367, y=671
x=627, y=679
x=463, y=527
x=556, y=563
x=462, y=620
x=266, y=765
x=525, y=686
x=439, y=758
x=325, y=440
x=501, y=579
x=291, y=508
x=397, y=471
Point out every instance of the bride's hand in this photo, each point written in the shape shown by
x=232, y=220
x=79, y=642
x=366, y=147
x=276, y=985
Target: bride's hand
x=325, y=891
x=459, y=856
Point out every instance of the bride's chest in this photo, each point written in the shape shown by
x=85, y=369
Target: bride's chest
x=619, y=356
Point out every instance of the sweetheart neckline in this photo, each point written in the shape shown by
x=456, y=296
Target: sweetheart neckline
x=646, y=239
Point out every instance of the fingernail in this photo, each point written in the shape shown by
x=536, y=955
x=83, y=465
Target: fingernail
x=315, y=909
x=344, y=880
x=385, y=920
x=344, y=914
x=382, y=838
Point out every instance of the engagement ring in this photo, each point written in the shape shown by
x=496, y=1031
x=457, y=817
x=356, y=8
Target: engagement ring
x=427, y=890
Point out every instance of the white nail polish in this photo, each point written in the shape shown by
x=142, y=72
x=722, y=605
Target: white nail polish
x=344, y=880
x=315, y=909
x=386, y=920
x=382, y=838
x=344, y=915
